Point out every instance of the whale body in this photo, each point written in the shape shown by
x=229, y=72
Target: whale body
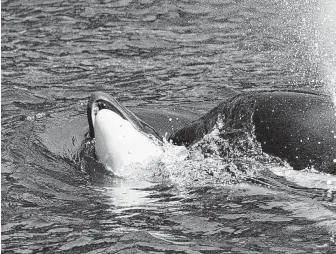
x=121, y=138
x=299, y=127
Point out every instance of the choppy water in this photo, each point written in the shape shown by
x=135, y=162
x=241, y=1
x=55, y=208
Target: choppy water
x=164, y=60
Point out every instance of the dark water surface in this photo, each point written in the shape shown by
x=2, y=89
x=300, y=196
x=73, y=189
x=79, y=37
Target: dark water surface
x=164, y=60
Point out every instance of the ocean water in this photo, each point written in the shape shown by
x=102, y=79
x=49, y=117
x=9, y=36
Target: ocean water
x=169, y=62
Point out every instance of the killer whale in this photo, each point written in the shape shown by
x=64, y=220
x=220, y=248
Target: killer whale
x=297, y=126
x=121, y=138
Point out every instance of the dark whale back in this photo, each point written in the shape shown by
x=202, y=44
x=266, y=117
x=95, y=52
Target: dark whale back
x=299, y=127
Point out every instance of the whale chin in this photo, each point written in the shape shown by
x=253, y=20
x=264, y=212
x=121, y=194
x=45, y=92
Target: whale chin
x=118, y=144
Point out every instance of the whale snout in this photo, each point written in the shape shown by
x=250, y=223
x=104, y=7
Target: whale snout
x=99, y=101
x=121, y=138
x=118, y=144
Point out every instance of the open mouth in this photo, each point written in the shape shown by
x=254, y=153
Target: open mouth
x=103, y=104
x=99, y=101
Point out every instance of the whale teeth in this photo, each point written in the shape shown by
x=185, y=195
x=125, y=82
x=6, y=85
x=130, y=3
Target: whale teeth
x=95, y=110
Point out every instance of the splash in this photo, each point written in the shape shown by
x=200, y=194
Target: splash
x=326, y=44
x=315, y=27
x=229, y=154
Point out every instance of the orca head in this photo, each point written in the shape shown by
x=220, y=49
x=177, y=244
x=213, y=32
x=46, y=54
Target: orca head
x=100, y=100
x=121, y=138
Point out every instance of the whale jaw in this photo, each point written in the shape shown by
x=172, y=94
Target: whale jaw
x=118, y=144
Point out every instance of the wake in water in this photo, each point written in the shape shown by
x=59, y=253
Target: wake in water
x=229, y=141
x=224, y=156
x=230, y=153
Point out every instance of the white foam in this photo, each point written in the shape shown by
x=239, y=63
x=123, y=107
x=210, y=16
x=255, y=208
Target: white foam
x=307, y=179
